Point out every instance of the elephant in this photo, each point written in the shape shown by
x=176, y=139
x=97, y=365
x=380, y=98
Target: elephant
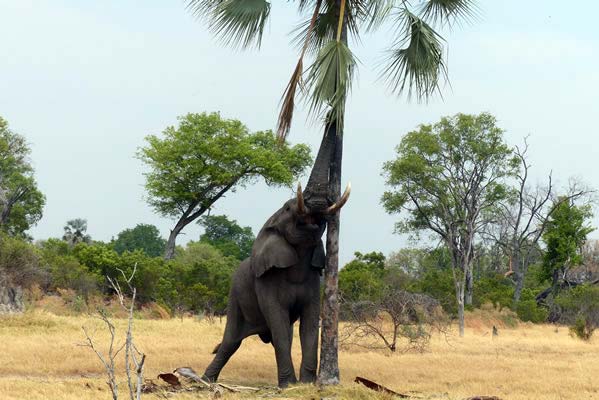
x=279, y=284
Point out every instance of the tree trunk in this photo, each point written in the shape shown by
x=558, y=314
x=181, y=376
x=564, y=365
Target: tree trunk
x=11, y=298
x=328, y=373
x=469, y=286
x=459, y=292
x=329, y=361
x=169, y=252
x=519, y=273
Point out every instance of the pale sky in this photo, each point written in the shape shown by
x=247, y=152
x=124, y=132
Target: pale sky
x=85, y=81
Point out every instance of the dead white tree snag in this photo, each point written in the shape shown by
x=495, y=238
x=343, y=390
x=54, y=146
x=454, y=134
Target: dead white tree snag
x=134, y=359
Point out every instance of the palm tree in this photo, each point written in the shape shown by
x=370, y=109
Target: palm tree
x=415, y=65
x=75, y=231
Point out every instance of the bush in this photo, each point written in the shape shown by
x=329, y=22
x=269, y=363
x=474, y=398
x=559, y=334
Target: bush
x=438, y=283
x=198, y=280
x=582, y=328
x=495, y=289
x=398, y=320
x=65, y=270
x=528, y=310
x=20, y=262
x=580, y=309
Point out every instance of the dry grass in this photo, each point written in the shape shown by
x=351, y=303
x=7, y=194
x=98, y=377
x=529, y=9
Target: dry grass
x=39, y=359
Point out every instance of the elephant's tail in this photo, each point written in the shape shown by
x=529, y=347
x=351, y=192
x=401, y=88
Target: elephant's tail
x=216, y=349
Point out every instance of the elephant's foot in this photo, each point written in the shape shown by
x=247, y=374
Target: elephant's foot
x=286, y=381
x=307, y=375
x=209, y=378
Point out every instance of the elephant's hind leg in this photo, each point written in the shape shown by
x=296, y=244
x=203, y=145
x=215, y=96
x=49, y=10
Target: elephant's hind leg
x=234, y=333
x=282, y=331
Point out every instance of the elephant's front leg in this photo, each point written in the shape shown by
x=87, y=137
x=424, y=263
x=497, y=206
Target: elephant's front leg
x=278, y=322
x=309, y=319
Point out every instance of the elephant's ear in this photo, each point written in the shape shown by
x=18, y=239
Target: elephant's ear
x=271, y=250
x=318, y=257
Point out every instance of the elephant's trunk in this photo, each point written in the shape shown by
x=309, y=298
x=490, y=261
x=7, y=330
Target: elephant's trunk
x=317, y=189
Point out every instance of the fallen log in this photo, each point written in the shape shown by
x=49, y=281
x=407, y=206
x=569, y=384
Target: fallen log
x=483, y=398
x=379, y=388
x=171, y=379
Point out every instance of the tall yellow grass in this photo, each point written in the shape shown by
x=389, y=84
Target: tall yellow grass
x=40, y=359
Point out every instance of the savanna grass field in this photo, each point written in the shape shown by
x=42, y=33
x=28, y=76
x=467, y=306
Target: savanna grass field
x=41, y=359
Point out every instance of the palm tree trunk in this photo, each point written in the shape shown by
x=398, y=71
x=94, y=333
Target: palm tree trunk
x=328, y=373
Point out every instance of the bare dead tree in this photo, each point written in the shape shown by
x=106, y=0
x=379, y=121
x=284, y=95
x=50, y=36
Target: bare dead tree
x=400, y=320
x=108, y=360
x=134, y=359
x=520, y=222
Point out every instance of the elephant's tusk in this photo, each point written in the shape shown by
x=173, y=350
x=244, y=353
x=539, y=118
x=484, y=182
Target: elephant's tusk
x=341, y=202
x=300, y=200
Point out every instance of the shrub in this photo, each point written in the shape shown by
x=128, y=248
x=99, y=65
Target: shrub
x=580, y=309
x=20, y=262
x=398, y=320
x=528, y=310
x=582, y=328
x=495, y=289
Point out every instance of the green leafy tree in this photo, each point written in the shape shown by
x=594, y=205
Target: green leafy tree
x=565, y=234
x=363, y=278
x=415, y=65
x=448, y=179
x=19, y=263
x=227, y=236
x=21, y=203
x=198, y=279
x=195, y=164
x=65, y=270
x=98, y=258
x=144, y=237
x=75, y=231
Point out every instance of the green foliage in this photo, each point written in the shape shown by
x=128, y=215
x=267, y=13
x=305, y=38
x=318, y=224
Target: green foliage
x=143, y=237
x=194, y=164
x=580, y=308
x=99, y=258
x=228, y=237
x=495, y=289
x=198, y=279
x=148, y=271
x=528, y=310
x=75, y=231
x=415, y=59
x=19, y=262
x=582, y=328
x=438, y=283
x=565, y=234
x=438, y=165
x=362, y=278
x=21, y=203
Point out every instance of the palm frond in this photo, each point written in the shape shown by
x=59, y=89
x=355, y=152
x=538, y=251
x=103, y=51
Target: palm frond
x=419, y=65
x=236, y=22
x=372, y=13
x=288, y=106
x=324, y=31
x=449, y=11
x=330, y=78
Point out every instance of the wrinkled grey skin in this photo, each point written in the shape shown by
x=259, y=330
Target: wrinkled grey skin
x=276, y=286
